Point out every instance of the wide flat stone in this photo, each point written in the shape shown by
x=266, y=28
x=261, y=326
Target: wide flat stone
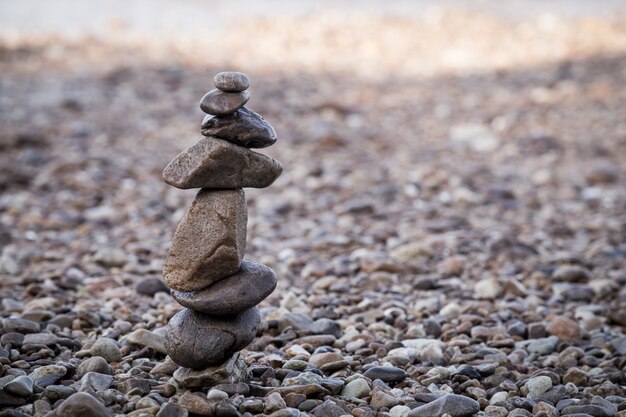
x=231, y=81
x=232, y=371
x=244, y=127
x=221, y=103
x=196, y=340
x=216, y=163
x=241, y=291
x=209, y=242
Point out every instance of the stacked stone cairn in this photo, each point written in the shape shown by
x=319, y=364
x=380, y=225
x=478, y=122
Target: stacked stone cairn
x=205, y=268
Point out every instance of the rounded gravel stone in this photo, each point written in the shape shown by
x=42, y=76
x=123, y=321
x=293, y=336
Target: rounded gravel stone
x=231, y=81
x=220, y=103
x=233, y=294
x=196, y=340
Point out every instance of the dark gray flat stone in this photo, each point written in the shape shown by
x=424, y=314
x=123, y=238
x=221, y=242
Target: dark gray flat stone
x=236, y=293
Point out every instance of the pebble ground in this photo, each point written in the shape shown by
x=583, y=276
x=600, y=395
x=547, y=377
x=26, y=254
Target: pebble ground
x=449, y=232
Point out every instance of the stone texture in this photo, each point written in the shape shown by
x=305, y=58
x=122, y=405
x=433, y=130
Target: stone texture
x=216, y=163
x=244, y=127
x=81, y=405
x=231, y=81
x=232, y=371
x=221, y=103
x=209, y=242
x=386, y=373
x=565, y=329
x=196, y=340
x=452, y=404
x=241, y=291
x=144, y=337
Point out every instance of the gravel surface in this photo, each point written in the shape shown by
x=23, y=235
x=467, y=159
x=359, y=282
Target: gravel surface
x=449, y=232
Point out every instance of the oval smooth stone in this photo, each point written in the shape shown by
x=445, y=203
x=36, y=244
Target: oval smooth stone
x=241, y=291
x=221, y=103
x=196, y=340
x=231, y=81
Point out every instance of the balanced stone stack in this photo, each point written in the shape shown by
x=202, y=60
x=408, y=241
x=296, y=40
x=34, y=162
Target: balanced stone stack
x=205, y=267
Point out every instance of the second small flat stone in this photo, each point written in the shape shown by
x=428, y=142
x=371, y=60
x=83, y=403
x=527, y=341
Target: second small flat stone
x=221, y=103
x=233, y=294
x=214, y=163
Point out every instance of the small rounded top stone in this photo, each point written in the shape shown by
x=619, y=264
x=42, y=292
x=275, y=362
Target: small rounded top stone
x=232, y=82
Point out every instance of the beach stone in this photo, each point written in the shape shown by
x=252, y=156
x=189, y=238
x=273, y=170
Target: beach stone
x=357, y=388
x=222, y=103
x=571, y=273
x=244, y=128
x=22, y=386
x=386, y=373
x=57, y=392
x=144, y=337
x=590, y=409
x=232, y=371
x=196, y=340
x=217, y=163
x=543, y=346
x=488, y=288
x=216, y=395
x=209, y=242
x=150, y=286
x=565, y=329
x=172, y=410
x=46, y=339
x=94, y=364
x=231, y=81
x=236, y=293
x=452, y=404
x=382, y=399
x=538, y=385
x=23, y=326
x=274, y=402
x=320, y=359
x=328, y=409
x=106, y=348
x=399, y=411
x=82, y=404
x=47, y=375
x=95, y=381
x=196, y=403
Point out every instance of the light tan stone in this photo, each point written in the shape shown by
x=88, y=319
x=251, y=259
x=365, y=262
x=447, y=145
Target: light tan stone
x=209, y=242
x=216, y=163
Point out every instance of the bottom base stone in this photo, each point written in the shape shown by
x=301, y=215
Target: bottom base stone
x=234, y=370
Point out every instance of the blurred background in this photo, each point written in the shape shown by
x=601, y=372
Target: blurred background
x=410, y=131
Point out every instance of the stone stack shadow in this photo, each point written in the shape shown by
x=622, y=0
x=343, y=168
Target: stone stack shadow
x=204, y=267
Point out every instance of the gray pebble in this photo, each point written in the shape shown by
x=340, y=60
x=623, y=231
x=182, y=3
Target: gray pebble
x=196, y=340
x=236, y=293
x=231, y=81
x=220, y=103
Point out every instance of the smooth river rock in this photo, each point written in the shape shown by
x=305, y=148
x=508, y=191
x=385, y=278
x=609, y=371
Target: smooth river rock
x=216, y=163
x=196, y=340
x=244, y=127
x=241, y=291
x=451, y=404
x=221, y=103
x=209, y=242
x=231, y=81
x=232, y=371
